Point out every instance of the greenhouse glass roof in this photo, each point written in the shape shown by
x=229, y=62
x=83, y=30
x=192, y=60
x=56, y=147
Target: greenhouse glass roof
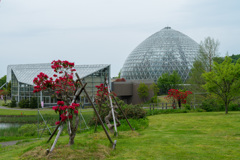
x=25, y=73
x=164, y=51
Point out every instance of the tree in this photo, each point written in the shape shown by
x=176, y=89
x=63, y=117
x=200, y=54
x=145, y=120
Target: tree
x=175, y=80
x=9, y=88
x=169, y=81
x=66, y=90
x=208, y=50
x=119, y=74
x=5, y=94
x=154, y=88
x=195, y=77
x=164, y=83
x=224, y=81
x=179, y=96
x=3, y=81
x=143, y=91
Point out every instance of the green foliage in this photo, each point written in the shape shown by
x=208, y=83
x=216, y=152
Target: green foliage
x=33, y=102
x=13, y=102
x=235, y=58
x=210, y=104
x=221, y=59
x=132, y=112
x=224, y=81
x=154, y=99
x=195, y=77
x=169, y=81
x=203, y=63
x=28, y=130
x=24, y=103
x=218, y=59
x=168, y=111
x=143, y=91
x=187, y=106
x=164, y=82
x=9, y=87
x=3, y=80
x=154, y=88
x=234, y=107
x=119, y=74
x=175, y=80
x=31, y=130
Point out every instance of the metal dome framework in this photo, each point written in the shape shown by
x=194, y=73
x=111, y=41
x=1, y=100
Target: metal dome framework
x=162, y=52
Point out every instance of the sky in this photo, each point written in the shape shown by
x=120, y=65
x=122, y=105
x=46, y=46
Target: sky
x=106, y=31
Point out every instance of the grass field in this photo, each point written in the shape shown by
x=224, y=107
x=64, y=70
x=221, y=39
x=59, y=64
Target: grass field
x=205, y=135
x=31, y=111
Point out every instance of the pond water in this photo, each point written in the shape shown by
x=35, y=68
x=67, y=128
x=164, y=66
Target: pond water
x=9, y=125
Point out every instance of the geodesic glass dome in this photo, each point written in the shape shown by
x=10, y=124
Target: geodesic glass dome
x=164, y=51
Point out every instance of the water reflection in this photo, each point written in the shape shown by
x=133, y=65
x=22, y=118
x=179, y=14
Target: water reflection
x=9, y=125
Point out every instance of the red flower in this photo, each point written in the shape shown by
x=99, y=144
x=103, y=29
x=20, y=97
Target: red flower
x=55, y=108
x=61, y=103
x=63, y=117
x=57, y=123
x=76, y=111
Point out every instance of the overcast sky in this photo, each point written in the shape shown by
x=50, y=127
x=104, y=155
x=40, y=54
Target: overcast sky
x=106, y=31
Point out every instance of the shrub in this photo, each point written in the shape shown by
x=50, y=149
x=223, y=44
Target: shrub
x=31, y=130
x=13, y=102
x=4, y=104
x=33, y=102
x=28, y=129
x=24, y=103
x=234, y=107
x=154, y=99
x=131, y=111
x=187, y=106
x=210, y=104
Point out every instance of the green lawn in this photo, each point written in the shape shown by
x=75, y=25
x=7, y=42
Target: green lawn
x=48, y=111
x=205, y=135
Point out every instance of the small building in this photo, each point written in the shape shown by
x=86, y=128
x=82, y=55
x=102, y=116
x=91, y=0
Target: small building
x=127, y=91
x=21, y=77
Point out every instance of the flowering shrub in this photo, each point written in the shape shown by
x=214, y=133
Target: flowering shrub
x=64, y=109
x=102, y=94
x=103, y=103
x=64, y=87
x=120, y=80
x=179, y=96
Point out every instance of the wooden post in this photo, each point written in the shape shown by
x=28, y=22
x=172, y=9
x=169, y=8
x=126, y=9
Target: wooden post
x=95, y=110
x=112, y=109
x=166, y=105
x=162, y=106
x=120, y=108
x=56, y=139
x=53, y=132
